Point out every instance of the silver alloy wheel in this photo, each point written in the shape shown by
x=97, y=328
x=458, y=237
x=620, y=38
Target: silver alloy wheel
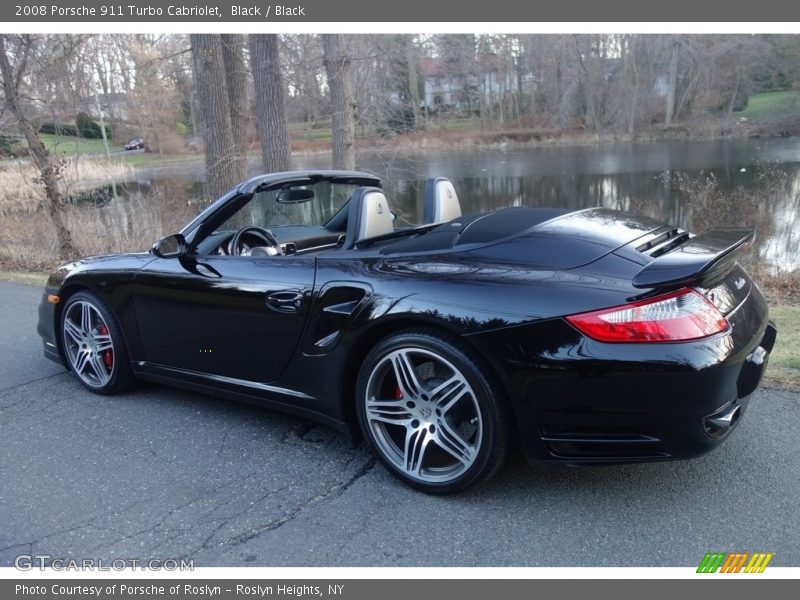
x=87, y=344
x=423, y=415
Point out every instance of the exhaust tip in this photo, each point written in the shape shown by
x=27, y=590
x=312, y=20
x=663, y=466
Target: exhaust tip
x=720, y=423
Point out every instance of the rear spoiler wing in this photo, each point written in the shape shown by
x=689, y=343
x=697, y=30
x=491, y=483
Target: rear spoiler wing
x=704, y=257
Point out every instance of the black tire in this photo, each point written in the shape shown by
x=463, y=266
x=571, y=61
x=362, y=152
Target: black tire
x=434, y=429
x=105, y=369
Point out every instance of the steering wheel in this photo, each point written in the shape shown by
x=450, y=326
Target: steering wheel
x=247, y=238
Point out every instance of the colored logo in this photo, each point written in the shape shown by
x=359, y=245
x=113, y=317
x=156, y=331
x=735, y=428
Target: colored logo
x=734, y=562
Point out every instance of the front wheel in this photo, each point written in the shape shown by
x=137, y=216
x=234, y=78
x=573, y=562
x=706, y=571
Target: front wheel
x=93, y=344
x=432, y=412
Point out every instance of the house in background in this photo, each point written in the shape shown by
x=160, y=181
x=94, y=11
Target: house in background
x=443, y=90
x=115, y=106
x=487, y=78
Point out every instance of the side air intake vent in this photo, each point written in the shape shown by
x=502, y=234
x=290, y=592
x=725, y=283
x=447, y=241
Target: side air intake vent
x=598, y=444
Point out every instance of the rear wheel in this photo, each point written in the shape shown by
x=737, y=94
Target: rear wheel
x=93, y=344
x=432, y=412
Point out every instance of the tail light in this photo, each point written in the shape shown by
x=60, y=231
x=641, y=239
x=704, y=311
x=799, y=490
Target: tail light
x=677, y=316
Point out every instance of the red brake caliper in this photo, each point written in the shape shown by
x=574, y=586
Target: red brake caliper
x=108, y=355
x=398, y=393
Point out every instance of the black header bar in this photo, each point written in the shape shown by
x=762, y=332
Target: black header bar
x=455, y=11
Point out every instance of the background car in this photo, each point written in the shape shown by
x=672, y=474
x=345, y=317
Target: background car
x=590, y=336
x=134, y=144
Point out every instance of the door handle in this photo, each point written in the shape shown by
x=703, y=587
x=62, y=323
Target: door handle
x=285, y=302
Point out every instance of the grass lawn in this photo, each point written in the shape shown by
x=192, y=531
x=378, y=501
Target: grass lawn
x=146, y=159
x=771, y=104
x=456, y=124
x=23, y=277
x=784, y=362
x=69, y=145
x=303, y=131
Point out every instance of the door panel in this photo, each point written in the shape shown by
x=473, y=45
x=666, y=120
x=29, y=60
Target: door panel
x=218, y=315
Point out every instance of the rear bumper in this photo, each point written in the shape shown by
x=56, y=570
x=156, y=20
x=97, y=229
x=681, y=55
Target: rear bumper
x=581, y=401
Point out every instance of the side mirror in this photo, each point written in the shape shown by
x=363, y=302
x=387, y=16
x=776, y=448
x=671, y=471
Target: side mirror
x=172, y=246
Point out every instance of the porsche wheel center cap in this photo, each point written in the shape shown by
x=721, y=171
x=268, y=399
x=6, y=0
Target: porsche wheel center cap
x=425, y=413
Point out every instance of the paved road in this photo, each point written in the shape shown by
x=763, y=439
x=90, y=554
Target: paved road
x=161, y=473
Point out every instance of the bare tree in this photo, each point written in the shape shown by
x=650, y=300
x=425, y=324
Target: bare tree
x=634, y=84
x=48, y=168
x=337, y=66
x=225, y=166
x=237, y=79
x=672, y=81
x=155, y=74
x=303, y=69
x=269, y=102
x=412, y=58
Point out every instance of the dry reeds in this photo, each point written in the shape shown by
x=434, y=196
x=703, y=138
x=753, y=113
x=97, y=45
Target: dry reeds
x=21, y=190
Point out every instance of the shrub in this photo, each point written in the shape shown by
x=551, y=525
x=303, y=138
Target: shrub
x=400, y=119
x=87, y=128
x=10, y=145
x=58, y=128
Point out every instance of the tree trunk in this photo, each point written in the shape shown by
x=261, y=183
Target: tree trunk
x=687, y=93
x=270, y=109
x=337, y=66
x=482, y=101
x=732, y=101
x=237, y=80
x=413, y=84
x=591, y=119
x=55, y=202
x=520, y=92
x=224, y=164
x=635, y=92
x=672, y=84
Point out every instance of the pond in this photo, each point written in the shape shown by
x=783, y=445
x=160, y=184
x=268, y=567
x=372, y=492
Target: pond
x=692, y=184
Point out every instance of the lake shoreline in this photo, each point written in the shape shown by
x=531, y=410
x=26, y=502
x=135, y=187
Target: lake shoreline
x=498, y=137
x=145, y=165
x=394, y=148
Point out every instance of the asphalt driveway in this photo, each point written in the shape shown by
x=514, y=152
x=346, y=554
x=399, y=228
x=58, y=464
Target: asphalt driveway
x=160, y=473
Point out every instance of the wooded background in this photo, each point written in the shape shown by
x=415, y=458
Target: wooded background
x=230, y=94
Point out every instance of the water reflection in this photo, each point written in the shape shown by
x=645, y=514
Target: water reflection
x=775, y=212
x=757, y=183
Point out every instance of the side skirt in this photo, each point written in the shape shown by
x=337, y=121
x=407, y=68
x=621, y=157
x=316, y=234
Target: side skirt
x=258, y=394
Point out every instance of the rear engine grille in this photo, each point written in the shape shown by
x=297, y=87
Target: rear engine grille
x=664, y=242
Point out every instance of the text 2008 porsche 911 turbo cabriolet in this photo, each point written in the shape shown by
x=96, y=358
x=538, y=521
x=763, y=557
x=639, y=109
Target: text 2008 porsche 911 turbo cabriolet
x=590, y=336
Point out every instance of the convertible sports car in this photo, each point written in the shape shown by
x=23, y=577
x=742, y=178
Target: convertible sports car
x=591, y=336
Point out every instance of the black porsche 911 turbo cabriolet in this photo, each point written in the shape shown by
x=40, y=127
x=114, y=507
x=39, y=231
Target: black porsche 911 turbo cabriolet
x=590, y=336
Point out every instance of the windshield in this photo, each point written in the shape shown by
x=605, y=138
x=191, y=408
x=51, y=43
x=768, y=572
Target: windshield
x=266, y=210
